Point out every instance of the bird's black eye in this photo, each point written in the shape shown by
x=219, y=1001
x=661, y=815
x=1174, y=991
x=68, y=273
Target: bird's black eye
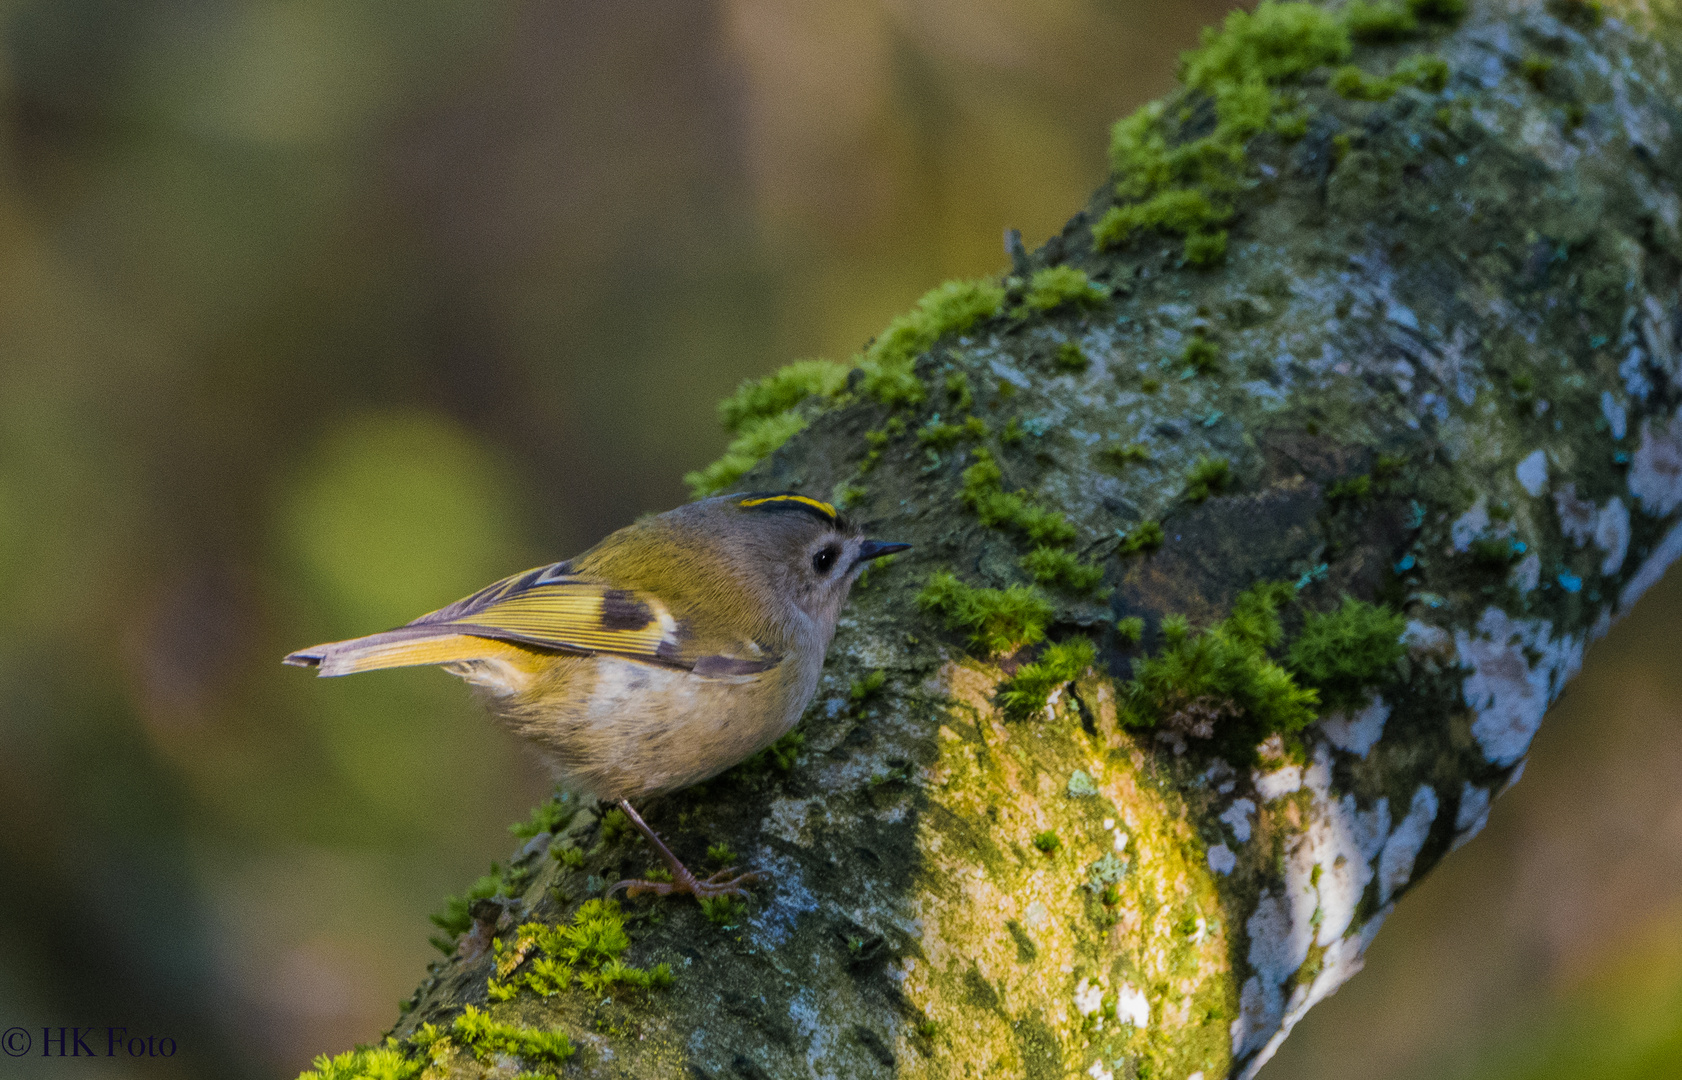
x=823, y=560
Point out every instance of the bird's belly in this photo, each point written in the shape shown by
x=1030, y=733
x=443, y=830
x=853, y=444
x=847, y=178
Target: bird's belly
x=627, y=729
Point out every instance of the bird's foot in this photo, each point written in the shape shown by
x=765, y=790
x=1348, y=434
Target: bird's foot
x=689, y=883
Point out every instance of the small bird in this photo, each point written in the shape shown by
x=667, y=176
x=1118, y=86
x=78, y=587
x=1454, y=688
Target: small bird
x=673, y=649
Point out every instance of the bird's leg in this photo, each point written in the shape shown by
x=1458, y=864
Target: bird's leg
x=682, y=880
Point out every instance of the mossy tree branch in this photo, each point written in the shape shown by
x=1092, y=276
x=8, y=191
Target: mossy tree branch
x=1222, y=626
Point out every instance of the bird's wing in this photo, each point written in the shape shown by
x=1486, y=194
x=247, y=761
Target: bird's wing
x=551, y=609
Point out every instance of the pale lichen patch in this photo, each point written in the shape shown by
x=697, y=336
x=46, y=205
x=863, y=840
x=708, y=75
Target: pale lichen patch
x=1357, y=734
x=1395, y=862
x=1507, y=690
x=1655, y=472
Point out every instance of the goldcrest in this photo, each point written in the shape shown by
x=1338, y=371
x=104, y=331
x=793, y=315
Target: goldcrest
x=672, y=650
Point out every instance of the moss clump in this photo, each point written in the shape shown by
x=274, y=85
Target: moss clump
x=1027, y=692
x=570, y=857
x=1429, y=73
x=365, y=1063
x=456, y=918
x=1208, y=476
x=721, y=854
x=983, y=492
x=758, y=439
x=950, y=308
x=762, y=415
x=1126, y=454
x=1145, y=536
x=615, y=826
x=724, y=911
x=1497, y=552
x=1130, y=630
x=1344, y=653
x=1201, y=355
x=1270, y=45
x=1586, y=14
x=1535, y=68
x=1351, y=489
x=547, y=959
x=489, y=1040
x=780, y=755
x=862, y=690
x=1048, y=842
x=1442, y=11
x=782, y=390
x=997, y=620
x=547, y=817
x=1223, y=674
x=1071, y=357
x=1182, y=188
x=942, y=436
x=958, y=392
x=1054, y=286
x=1059, y=569
x=1379, y=23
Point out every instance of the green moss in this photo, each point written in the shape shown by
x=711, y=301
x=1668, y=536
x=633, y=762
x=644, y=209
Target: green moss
x=1145, y=536
x=958, y=391
x=1536, y=68
x=1028, y=690
x=364, y=1063
x=942, y=436
x=1125, y=454
x=489, y=1040
x=547, y=958
x=758, y=438
x=546, y=817
x=615, y=826
x=1180, y=210
x=1291, y=126
x=1130, y=629
x=1346, y=652
x=1351, y=489
x=862, y=690
x=1586, y=14
x=721, y=854
x=1205, y=249
x=456, y=918
x=950, y=308
x=1201, y=355
x=782, y=390
x=1071, y=357
x=1224, y=674
x=1429, y=73
x=1054, y=286
x=1496, y=552
x=1061, y=570
x=725, y=911
x=1150, y=385
x=1442, y=11
x=1379, y=23
x=570, y=857
x=997, y=620
x=1048, y=842
x=762, y=415
x=1208, y=476
x=780, y=755
x=1274, y=43
x=983, y=492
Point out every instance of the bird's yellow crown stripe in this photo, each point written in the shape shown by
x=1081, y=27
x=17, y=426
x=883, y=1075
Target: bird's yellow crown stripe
x=823, y=508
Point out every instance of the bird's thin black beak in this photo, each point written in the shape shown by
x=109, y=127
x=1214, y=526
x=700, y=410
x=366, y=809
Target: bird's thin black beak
x=875, y=549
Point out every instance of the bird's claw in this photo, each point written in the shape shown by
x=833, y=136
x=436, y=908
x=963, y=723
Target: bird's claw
x=701, y=890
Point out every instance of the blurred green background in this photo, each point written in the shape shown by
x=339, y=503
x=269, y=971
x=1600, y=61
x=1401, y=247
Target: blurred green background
x=315, y=316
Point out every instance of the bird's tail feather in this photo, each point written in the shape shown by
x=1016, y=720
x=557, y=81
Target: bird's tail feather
x=406, y=646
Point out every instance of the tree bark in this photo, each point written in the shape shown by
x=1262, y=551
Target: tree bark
x=1466, y=295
